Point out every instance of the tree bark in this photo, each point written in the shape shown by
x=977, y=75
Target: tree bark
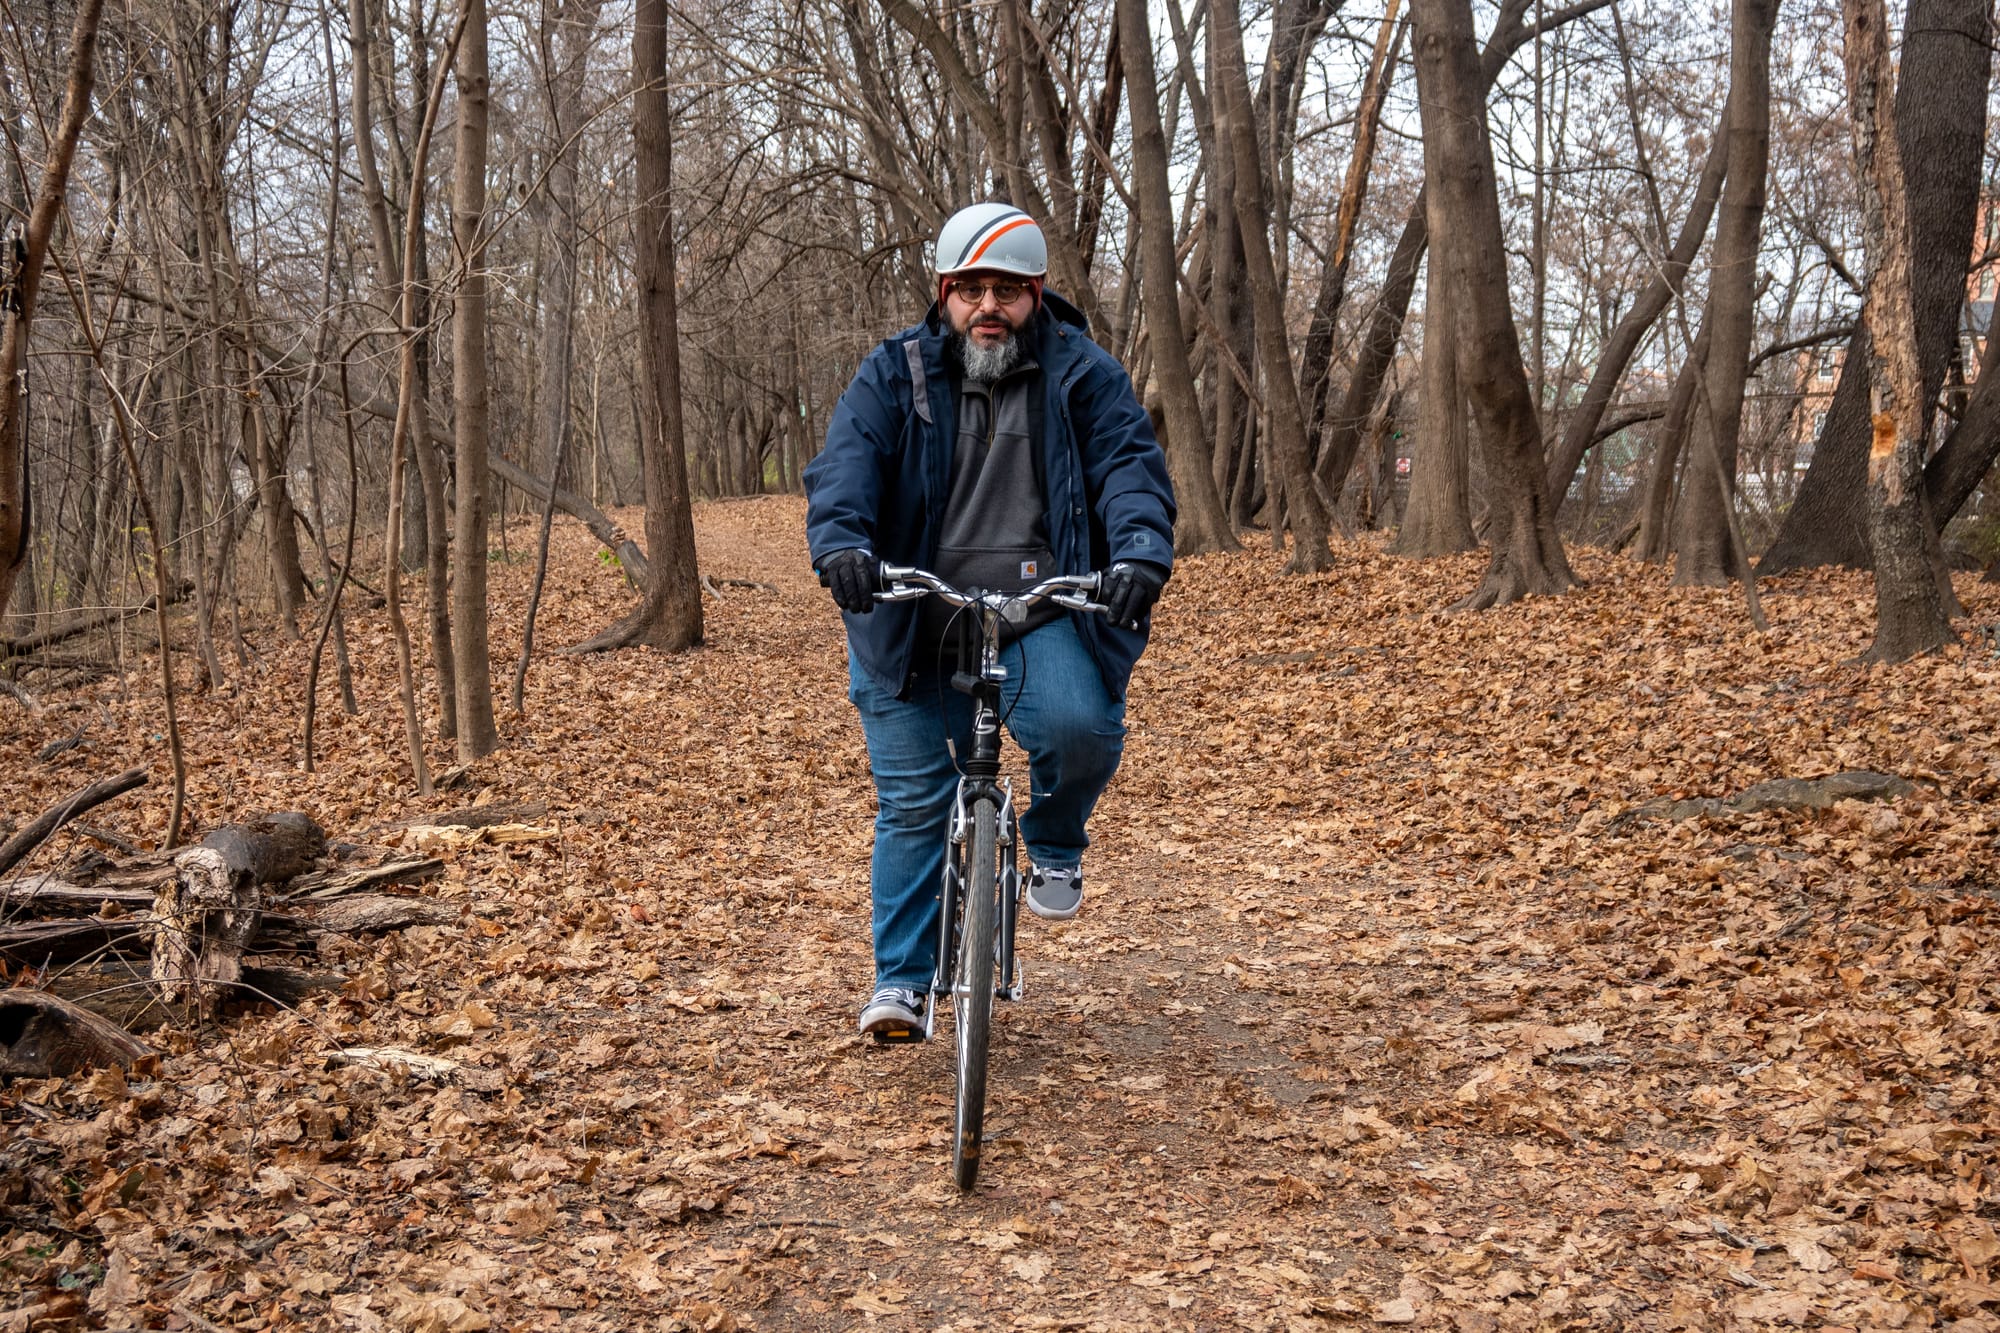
x=22, y=277
x=207, y=914
x=1653, y=544
x=1910, y=615
x=1705, y=555
x=1203, y=525
x=670, y=615
x=1941, y=135
x=1304, y=513
x=472, y=667
x=1471, y=261
x=1316, y=360
x=1439, y=518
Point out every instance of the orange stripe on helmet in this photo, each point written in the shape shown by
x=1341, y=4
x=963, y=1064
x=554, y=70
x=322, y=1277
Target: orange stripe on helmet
x=987, y=244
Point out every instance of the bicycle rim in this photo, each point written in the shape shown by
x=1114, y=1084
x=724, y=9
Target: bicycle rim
x=972, y=998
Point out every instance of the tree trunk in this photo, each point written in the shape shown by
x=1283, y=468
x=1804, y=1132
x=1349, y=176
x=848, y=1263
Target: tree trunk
x=556, y=355
x=1581, y=430
x=1656, y=509
x=1439, y=518
x=206, y=915
x=1471, y=261
x=472, y=670
x=1910, y=615
x=45, y=1036
x=23, y=275
x=670, y=616
x=1969, y=451
x=1940, y=133
x=1385, y=324
x=1202, y=525
x=1304, y=513
x=1704, y=552
x=1316, y=362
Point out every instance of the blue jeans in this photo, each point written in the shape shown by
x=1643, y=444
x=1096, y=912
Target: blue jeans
x=1057, y=709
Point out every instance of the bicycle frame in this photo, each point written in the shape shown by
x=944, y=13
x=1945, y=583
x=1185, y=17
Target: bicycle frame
x=982, y=777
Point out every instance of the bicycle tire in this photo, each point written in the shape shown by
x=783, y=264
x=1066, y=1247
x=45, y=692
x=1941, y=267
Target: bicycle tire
x=972, y=992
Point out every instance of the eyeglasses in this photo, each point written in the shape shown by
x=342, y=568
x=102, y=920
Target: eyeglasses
x=1004, y=293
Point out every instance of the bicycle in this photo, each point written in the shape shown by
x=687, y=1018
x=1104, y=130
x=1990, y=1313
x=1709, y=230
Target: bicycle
x=981, y=888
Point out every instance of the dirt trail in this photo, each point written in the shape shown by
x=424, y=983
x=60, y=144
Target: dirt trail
x=1376, y=1013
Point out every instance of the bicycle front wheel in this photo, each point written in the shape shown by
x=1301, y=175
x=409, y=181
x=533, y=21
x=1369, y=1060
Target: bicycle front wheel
x=972, y=991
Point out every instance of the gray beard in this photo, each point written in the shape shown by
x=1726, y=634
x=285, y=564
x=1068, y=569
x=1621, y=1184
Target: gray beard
x=984, y=365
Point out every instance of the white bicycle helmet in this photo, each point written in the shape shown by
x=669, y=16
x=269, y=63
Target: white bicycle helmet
x=993, y=236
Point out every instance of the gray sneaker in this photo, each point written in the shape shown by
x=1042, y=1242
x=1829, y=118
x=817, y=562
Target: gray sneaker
x=1055, y=892
x=894, y=1013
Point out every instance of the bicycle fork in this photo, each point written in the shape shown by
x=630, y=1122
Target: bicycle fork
x=1008, y=978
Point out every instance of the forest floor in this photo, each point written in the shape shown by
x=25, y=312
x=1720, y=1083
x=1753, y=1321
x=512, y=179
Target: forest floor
x=1392, y=1002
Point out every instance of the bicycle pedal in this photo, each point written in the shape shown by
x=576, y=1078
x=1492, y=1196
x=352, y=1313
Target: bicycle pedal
x=898, y=1036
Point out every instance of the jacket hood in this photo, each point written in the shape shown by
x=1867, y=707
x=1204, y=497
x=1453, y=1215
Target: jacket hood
x=1054, y=304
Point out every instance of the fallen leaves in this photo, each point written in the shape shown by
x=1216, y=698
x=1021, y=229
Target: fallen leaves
x=1387, y=1012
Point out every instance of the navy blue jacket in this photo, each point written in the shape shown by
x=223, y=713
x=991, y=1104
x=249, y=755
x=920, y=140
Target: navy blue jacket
x=882, y=479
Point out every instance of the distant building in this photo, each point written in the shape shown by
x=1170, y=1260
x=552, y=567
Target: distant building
x=1818, y=369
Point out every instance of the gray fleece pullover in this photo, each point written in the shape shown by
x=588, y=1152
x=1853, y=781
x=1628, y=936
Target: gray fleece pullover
x=995, y=534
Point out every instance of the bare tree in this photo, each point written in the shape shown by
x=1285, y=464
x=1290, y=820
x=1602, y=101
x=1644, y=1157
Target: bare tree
x=1705, y=552
x=22, y=284
x=1940, y=120
x=669, y=616
x=1304, y=514
x=472, y=665
x=1910, y=615
x=1202, y=525
x=1470, y=259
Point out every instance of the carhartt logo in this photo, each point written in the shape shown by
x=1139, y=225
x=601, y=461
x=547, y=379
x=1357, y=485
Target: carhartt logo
x=1030, y=569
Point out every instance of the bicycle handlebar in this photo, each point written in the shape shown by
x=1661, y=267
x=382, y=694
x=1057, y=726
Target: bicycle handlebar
x=905, y=583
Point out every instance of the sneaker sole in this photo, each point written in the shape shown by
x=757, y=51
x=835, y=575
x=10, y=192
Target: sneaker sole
x=893, y=1027
x=1048, y=914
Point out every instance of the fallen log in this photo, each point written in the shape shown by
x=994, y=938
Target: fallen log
x=376, y=912
x=42, y=1036
x=53, y=818
x=206, y=915
x=1821, y=793
x=601, y=527
x=87, y=621
x=425, y=1068
x=333, y=883
x=46, y=894
x=474, y=816
x=41, y=943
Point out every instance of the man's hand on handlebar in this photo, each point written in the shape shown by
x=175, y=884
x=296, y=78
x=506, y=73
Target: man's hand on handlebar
x=1129, y=590
x=853, y=576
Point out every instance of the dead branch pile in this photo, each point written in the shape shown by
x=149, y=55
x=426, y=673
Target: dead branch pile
x=114, y=947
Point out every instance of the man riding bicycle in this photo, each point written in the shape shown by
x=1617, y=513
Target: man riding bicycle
x=993, y=444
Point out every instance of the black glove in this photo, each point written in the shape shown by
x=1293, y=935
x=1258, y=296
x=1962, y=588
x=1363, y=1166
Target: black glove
x=854, y=576
x=1129, y=589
